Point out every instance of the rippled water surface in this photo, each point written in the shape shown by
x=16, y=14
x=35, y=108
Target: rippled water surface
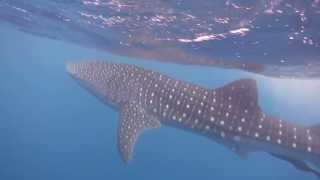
x=277, y=38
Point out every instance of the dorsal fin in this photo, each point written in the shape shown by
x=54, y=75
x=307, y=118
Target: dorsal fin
x=315, y=129
x=133, y=120
x=241, y=92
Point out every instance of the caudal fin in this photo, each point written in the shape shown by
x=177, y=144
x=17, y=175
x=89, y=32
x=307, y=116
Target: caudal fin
x=300, y=165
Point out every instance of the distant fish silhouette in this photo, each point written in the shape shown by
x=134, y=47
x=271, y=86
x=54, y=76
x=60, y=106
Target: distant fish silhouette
x=229, y=115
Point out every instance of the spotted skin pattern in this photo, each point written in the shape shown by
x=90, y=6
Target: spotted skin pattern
x=229, y=115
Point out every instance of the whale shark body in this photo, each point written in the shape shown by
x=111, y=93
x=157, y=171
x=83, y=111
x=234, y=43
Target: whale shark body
x=229, y=115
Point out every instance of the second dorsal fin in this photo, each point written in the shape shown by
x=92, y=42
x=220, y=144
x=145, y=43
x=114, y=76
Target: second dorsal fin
x=241, y=92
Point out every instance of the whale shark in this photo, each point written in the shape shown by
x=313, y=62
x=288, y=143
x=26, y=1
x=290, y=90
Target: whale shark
x=229, y=115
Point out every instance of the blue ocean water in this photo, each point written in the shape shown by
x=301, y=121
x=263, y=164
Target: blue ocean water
x=50, y=128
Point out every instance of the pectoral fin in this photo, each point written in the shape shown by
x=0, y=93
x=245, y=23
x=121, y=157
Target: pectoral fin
x=133, y=121
x=241, y=153
x=297, y=164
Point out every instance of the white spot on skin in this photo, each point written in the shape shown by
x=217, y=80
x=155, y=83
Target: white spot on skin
x=212, y=108
x=256, y=135
x=230, y=106
x=178, y=102
x=188, y=106
x=212, y=119
x=207, y=127
x=243, y=120
x=268, y=138
x=199, y=111
x=279, y=141
x=239, y=128
x=227, y=114
x=280, y=133
x=170, y=96
x=294, y=145
x=184, y=115
x=309, y=149
x=164, y=114
x=221, y=123
x=260, y=126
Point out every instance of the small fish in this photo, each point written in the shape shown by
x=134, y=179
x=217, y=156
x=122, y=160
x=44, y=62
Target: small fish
x=229, y=115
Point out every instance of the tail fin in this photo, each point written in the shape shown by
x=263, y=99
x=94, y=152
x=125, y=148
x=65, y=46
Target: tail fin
x=300, y=165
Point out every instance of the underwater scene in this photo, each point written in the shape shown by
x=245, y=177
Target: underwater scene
x=159, y=89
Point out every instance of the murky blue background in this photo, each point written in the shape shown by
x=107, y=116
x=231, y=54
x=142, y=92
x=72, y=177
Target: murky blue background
x=50, y=128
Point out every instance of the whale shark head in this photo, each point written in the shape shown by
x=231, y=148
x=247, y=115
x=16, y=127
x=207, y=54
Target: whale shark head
x=91, y=71
x=101, y=79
